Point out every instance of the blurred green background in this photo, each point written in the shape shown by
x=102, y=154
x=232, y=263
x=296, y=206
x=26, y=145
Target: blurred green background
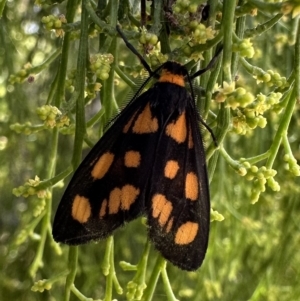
x=253, y=253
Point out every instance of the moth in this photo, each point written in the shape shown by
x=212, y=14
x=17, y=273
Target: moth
x=151, y=162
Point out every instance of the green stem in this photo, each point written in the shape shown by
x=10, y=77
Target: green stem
x=52, y=181
x=210, y=88
x=110, y=30
x=80, y=129
x=233, y=163
x=79, y=132
x=253, y=70
x=227, y=28
x=160, y=262
x=109, y=254
x=287, y=115
x=105, y=266
x=287, y=147
x=297, y=62
x=282, y=129
x=72, y=267
x=107, y=92
x=212, y=12
x=38, y=260
x=167, y=285
x=260, y=29
x=258, y=158
x=2, y=5
x=125, y=78
x=62, y=71
x=157, y=8
x=240, y=28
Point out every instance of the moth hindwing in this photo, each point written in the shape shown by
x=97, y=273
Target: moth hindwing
x=151, y=161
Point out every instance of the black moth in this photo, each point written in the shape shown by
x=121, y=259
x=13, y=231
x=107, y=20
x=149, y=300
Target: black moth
x=151, y=161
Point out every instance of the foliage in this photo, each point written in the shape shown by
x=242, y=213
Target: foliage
x=64, y=72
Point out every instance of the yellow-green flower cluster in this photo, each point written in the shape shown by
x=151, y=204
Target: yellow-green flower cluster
x=70, y=81
x=234, y=97
x=21, y=75
x=263, y=103
x=250, y=117
x=292, y=165
x=260, y=177
x=242, y=124
x=52, y=22
x=200, y=33
x=148, y=38
x=68, y=130
x=186, y=6
x=52, y=116
x=26, y=232
x=271, y=78
x=216, y=216
x=31, y=188
x=244, y=48
x=25, y=128
x=100, y=65
x=239, y=98
x=92, y=89
x=135, y=290
x=41, y=285
x=188, y=14
x=156, y=59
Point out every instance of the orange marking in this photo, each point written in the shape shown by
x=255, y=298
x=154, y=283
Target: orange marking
x=132, y=159
x=81, y=209
x=161, y=208
x=103, y=208
x=171, y=169
x=186, y=233
x=177, y=130
x=114, y=201
x=169, y=225
x=191, y=186
x=169, y=77
x=102, y=166
x=128, y=125
x=128, y=196
x=144, y=123
x=122, y=198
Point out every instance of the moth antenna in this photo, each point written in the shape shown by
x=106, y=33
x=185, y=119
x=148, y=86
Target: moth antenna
x=210, y=64
x=134, y=51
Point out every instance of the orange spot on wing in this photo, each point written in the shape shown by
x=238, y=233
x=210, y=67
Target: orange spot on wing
x=132, y=159
x=102, y=165
x=169, y=225
x=114, y=201
x=177, y=130
x=171, y=169
x=103, y=208
x=144, y=123
x=191, y=142
x=186, y=233
x=128, y=196
x=81, y=209
x=128, y=125
x=191, y=186
x=161, y=208
x=122, y=199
